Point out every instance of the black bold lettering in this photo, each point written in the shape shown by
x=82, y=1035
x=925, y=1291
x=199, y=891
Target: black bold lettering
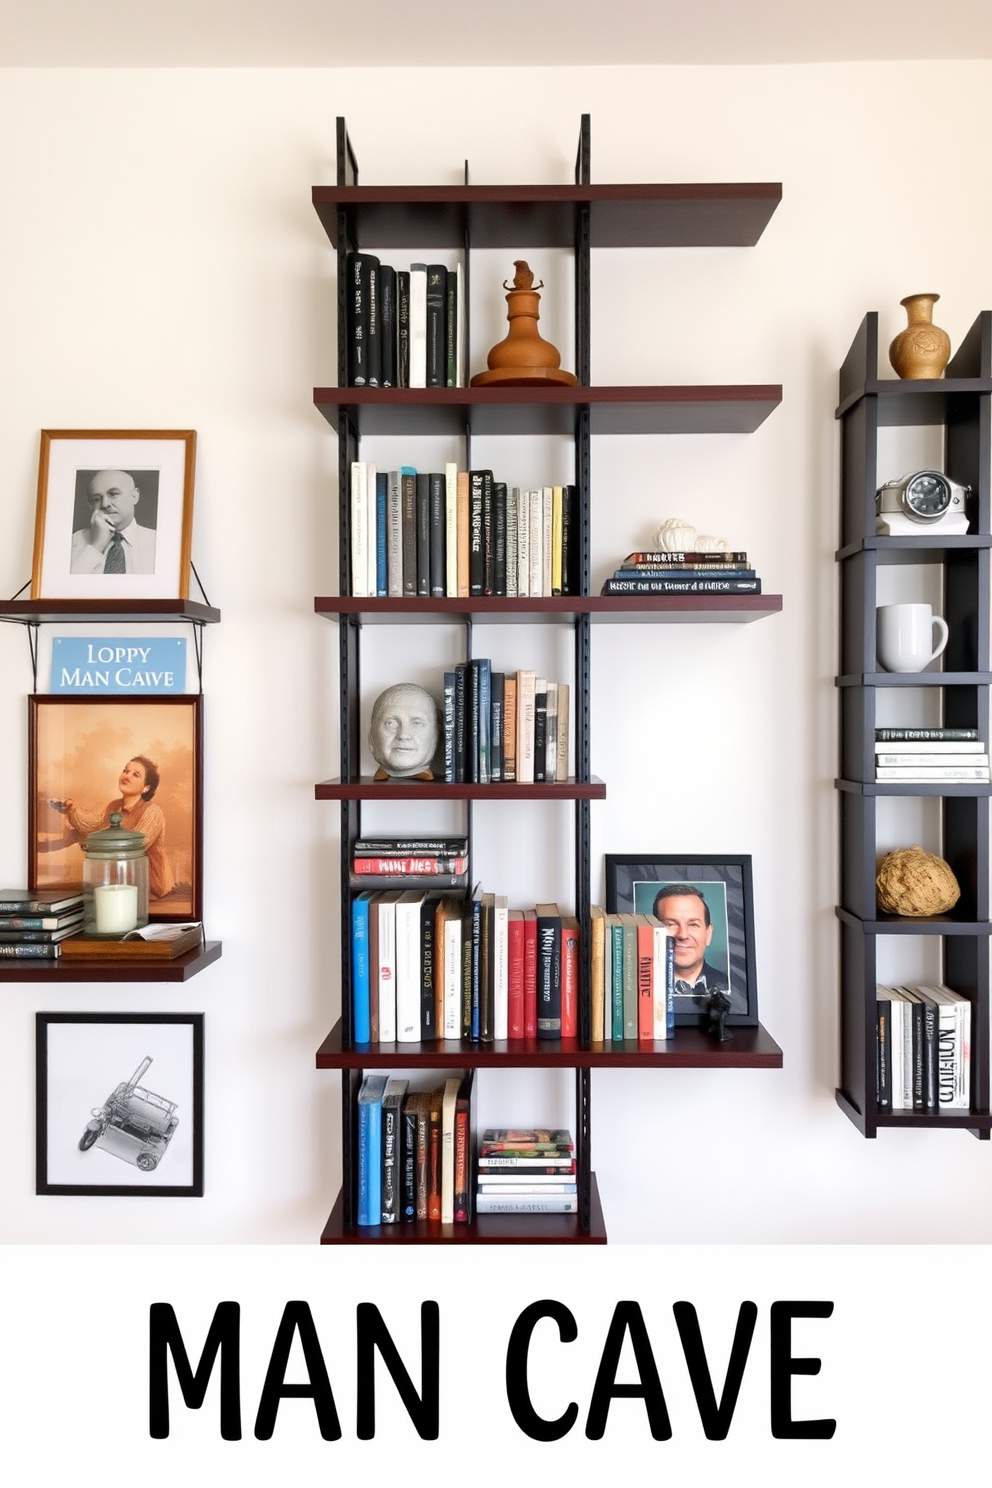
x=223, y=1337
x=424, y=1410
x=517, y=1386
x=297, y=1318
x=716, y=1418
x=627, y=1318
x=784, y=1366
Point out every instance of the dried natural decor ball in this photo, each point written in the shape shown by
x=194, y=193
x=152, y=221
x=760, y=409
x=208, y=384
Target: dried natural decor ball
x=913, y=882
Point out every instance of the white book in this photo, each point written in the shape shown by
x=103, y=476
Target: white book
x=359, y=529
x=560, y=772
x=372, y=581
x=895, y=1047
x=526, y=1204
x=409, y=966
x=523, y=542
x=451, y=529
x=930, y=761
x=512, y=517
x=535, y=569
x=501, y=966
x=418, y=325
x=954, y=1048
x=547, y=536
x=394, y=535
x=385, y=907
x=944, y=772
x=551, y=733
x=449, y=1105
x=452, y=991
x=525, y=726
x=660, y=982
x=929, y=746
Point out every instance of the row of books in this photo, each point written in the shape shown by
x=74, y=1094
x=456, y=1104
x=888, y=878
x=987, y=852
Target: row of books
x=920, y=755
x=632, y=975
x=405, y=328
x=430, y=862
x=458, y=534
x=504, y=726
x=684, y=573
x=414, y=1151
x=526, y=1171
x=34, y=922
x=923, y=1049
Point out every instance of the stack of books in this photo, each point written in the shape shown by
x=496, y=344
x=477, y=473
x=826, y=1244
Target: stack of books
x=922, y=754
x=504, y=726
x=425, y=862
x=33, y=922
x=414, y=1151
x=684, y=573
x=632, y=979
x=405, y=327
x=922, y=1049
x=523, y=1171
x=428, y=965
x=459, y=534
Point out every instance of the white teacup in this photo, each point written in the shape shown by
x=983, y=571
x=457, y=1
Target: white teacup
x=905, y=636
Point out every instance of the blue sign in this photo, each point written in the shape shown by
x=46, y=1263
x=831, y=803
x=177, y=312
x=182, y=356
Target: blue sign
x=135, y=664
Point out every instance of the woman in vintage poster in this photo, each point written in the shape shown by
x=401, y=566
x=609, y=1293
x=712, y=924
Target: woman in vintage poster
x=137, y=783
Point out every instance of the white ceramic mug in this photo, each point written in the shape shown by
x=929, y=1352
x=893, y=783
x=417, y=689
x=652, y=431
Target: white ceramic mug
x=905, y=636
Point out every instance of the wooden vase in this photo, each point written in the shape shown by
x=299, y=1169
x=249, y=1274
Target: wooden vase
x=922, y=349
x=523, y=358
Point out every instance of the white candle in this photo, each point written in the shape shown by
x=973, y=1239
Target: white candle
x=116, y=908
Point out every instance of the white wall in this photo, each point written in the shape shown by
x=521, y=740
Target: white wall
x=161, y=266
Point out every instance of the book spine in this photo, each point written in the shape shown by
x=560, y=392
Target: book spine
x=359, y=269
x=359, y=529
x=498, y=691
x=682, y=586
x=561, y=761
x=463, y=1162
x=453, y=974
x=451, y=331
x=501, y=968
x=645, y=983
x=418, y=846
x=449, y=1110
x=515, y=975
x=372, y=343
x=423, y=1157
x=449, y=727
x=485, y=998
x=569, y=543
x=556, y=540
x=464, y=535
x=451, y=530
x=408, y=1158
x=681, y=557
x=461, y=710
x=363, y=1163
x=434, y=1158
x=526, y=684
x=408, y=970
x=394, y=535
x=551, y=733
x=883, y=1068
x=476, y=557
x=360, y=968
x=475, y=977
x=512, y=496
x=535, y=571
x=523, y=542
x=570, y=950
x=387, y=973
x=597, y=974
x=437, y=295
x=547, y=537
x=423, y=535
x=548, y=974
x=418, y=325
x=509, y=728
x=617, y=980
x=488, y=534
x=530, y=974
x=540, y=728
x=381, y=534
x=391, y=1172
x=387, y=327
x=499, y=538
x=897, y=735
x=402, y=328
x=408, y=480
x=485, y=720
x=526, y=1204
x=429, y=958
x=32, y=952
x=438, y=528
x=375, y=1155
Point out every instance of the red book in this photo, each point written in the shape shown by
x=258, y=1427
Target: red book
x=645, y=979
x=515, y=974
x=408, y=867
x=570, y=977
x=530, y=973
x=463, y=1151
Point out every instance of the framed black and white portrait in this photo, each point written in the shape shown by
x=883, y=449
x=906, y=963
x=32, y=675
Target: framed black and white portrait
x=119, y=1104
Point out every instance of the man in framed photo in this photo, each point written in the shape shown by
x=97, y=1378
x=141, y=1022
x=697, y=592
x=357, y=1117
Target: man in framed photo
x=683, y=911
x=114, y=542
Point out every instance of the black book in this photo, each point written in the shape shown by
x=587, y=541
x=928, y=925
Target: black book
x=451, y=331
x=497, y=686
x=392, y=1148
x=408, y=1158
x=387, y=327
x=548, y=971
x=486, y=966
x=423, y=534
x=39, y=901
x=409, y=521
x=919, y=1053
x=403, y=328
x=437, y=306
x=461, y=703
x=883, y=1053
x=428, y=1003
x=411, y=847
x=484, y=685
x=477, y=548
x=468, y=922
x=499, y=538
x=438, y=515
x=488, y=534
x=359, y=271
x=472, y=722
x=569, y=543
x=475, y=973
x=930, y=1046
x=373, y=348
x=540, y=734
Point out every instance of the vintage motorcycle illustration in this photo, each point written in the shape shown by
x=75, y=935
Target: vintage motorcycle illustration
x=134, y=1124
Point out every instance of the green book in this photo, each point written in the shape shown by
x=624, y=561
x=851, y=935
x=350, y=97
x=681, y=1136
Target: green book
x=616, y=980
x=629, y=976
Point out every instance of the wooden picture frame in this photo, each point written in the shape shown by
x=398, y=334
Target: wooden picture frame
x=119, y=1104
x=722, y=932
x=114, y=518
x=77, y=748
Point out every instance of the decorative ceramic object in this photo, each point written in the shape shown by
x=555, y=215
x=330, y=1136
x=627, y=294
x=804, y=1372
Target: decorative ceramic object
x=676, y=536
x=712, y=544
x=523, y=358
x=403, y=732
x=915, y=883
x=922, y=349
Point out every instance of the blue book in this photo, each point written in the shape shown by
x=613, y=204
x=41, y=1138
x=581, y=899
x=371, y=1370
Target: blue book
x=370, y=1149
x=616, y=962
x=381, y=497
x=360, y=967
x=670, y=985
x=485, y=720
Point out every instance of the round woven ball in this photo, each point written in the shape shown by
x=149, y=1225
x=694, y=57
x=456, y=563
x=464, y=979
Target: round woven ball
x=913, y=882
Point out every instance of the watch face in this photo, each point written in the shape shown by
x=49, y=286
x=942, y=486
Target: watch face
x=928, y=495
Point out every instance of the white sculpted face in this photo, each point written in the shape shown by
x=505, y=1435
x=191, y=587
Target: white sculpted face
x=403, y=733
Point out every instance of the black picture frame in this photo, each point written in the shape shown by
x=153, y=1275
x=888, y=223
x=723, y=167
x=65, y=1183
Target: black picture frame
x=725, y=883
x=103, y=1127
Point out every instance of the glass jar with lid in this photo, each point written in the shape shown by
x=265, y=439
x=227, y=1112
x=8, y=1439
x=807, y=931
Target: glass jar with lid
x=115, y=882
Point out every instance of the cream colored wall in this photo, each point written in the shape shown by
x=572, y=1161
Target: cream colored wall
x=161, y=266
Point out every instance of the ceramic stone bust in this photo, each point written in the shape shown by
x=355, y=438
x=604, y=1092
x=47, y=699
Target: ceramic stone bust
x=403, y=732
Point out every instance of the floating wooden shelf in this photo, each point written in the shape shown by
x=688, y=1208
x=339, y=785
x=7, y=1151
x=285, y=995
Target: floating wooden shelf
x=485, y=1229
x=930, y=549
x=367, y=789
x=902, y=403
x=178, y=970
x=549, y=410
x=87, y=612
x=915, y=787
x=978, y=1123
x=673, y=609
x=915, y=679
x=691, y=1048
x=886, y=924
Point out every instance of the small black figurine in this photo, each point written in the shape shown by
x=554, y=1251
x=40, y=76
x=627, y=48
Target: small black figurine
x=716, y=1016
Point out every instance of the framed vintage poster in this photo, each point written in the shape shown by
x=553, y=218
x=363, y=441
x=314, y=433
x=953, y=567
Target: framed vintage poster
x=707, y=904
x=119, y=1104
x=115, y=514
x=90, y=756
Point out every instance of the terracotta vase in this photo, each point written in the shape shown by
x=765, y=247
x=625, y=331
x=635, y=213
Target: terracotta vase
x=523, y=358
x=922, y=349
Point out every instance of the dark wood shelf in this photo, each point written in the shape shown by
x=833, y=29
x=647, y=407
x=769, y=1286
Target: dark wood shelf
x=485, y=1229
x=550, y=410
x=367, y=789
x=915, y=787
x=675, y=609
x=86, y=612
x=902, y=402
x=886, y=924
x=711, y=214
x=932, y=548
x=178, y=970
x=691, y=1048
x=978, y=1123
x=915, y=679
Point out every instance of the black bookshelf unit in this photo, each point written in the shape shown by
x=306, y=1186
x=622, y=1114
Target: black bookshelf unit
x=961, y=404
x=580, y=218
